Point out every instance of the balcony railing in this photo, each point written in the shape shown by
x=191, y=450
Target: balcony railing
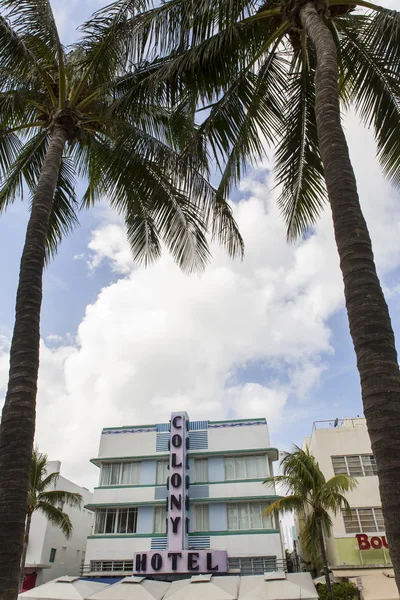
x=249, y=565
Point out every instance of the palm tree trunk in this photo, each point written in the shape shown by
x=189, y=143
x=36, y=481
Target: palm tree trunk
x=324, y=559
x=25, y=550
x=368, y=314
x=18, y=418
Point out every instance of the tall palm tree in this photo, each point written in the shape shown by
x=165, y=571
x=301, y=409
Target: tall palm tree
x=63, y=114
x=43, y=497
x=308, y=493
x=275, y=74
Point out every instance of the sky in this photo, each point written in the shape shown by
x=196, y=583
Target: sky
x=265, y=337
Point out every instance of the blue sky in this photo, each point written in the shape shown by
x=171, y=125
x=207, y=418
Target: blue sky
x=266, y=337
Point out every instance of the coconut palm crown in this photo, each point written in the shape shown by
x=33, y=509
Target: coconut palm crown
x=64, y=115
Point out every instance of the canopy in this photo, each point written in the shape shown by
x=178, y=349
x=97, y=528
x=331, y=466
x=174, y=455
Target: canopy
x=129, y=588
x=278, y=586
x=377, y=584
x=204, y=587
x=63, y=588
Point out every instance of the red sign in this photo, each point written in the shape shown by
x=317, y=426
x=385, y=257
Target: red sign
x=373, y=543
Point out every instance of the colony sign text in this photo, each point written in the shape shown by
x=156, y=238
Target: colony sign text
x=178, y=558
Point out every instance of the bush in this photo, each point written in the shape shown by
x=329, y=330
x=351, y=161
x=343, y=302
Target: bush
x=340, y=591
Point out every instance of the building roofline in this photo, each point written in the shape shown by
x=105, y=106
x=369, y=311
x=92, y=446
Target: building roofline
x=154, y=425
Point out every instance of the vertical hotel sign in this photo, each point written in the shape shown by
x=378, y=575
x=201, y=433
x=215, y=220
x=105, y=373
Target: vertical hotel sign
x=178, y=558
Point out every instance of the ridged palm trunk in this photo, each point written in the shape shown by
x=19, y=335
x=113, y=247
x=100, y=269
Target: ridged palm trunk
x=324, y=558
x=25, y=548
x=18, y=419
x=368, y=314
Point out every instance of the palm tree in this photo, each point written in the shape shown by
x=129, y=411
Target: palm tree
x=63, y=114
x=310, y=494
x=275, y=74
x=44, y=498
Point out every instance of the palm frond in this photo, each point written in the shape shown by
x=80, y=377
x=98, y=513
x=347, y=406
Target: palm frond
x=34, y=19
x=56, y=517
x=372, y=77
x=63, y=217
x=301, y=465
x=298, y=164
x=26, y=167
x=10, y=147
x=258, y=123
x=55, y=497
x=286, y=504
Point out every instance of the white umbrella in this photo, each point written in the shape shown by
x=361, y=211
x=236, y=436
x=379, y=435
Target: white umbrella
x=137, y=588
x=201, y=587
x=63, y=588
x=278, y=586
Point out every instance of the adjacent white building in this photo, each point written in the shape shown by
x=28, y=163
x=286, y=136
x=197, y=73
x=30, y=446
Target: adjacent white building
x=50, y=554
x=227, y=464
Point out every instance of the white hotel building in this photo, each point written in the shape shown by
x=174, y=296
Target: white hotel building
x=227, y=462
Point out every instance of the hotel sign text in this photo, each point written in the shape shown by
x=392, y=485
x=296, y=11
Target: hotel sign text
x=178, y=558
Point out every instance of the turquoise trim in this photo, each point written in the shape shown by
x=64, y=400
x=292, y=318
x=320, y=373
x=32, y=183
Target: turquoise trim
x=194, y=453
x=113, y=487
x=229, y=499
x=228, y=481
x=261, y=419
x=128, y=427
x=118, y=504
x=139, y=485
x=196, y=534
x=192, y=500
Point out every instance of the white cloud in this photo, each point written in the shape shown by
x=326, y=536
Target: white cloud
x=157, y=340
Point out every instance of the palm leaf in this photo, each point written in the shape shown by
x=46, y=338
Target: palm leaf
x=10, y=147
x=298, y=162
x=373, y=83
x=63, y=217
x=34, y=19
x=26, y=167
x=55, y=497
x=56, y=517
x=287, y=504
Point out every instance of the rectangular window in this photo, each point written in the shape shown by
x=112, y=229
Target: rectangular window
x=248, y=515
x=201, y=517
x=160, y=519
x=52, y=555
x=245, y=467
x=162, y=472
x=200, y=470
x=125, y=473
x=364, y=520
x=356, y=465
x=116, y=520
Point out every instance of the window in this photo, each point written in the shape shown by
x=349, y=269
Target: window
x=160, y=519
x=125, y=473
x=201, y=517
x=364, y=520
x=248, y=515
x=200, y=469
x=52, y=555
x=116, y=520
x=162, y=472
x=245, y=467
x=357, y=465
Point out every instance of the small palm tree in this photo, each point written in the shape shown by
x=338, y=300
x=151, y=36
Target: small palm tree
x=45, y=498
x=310, y=494
x=67, y=112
